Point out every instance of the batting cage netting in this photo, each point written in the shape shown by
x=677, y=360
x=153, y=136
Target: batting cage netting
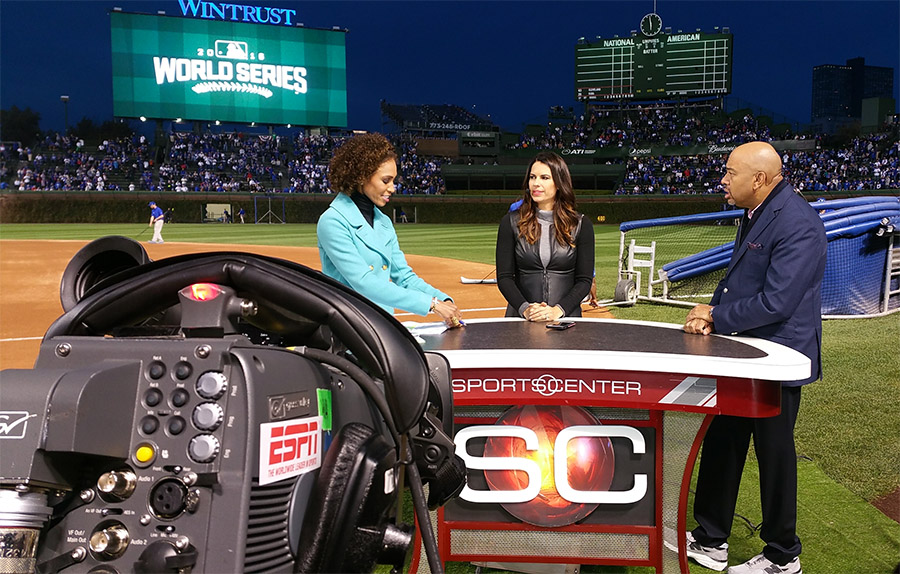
x=680, y=260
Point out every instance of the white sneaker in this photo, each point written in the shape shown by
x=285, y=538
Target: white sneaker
x=713, y=557
x=759, y=564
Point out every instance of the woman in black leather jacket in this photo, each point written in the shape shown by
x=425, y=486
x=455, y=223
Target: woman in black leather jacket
x=545, y=249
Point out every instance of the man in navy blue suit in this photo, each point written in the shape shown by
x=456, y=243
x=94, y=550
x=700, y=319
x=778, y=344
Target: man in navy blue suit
x=771, y=290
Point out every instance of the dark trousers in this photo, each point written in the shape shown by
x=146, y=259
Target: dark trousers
x=722, y=463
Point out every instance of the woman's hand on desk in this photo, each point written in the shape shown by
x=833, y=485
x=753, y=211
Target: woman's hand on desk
x=449, y=313
x=541, y=312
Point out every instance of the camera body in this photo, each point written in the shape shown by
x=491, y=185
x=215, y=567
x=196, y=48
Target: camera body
x=154, y=448
x=253, y=426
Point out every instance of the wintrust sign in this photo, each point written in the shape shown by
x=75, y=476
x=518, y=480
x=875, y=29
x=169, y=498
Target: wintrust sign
x=237, y=12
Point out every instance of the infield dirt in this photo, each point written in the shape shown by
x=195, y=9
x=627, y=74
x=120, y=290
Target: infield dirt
x=30, y=272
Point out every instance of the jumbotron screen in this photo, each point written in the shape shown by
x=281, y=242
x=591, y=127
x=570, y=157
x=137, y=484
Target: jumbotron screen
x=171, y=67
x=649, y=68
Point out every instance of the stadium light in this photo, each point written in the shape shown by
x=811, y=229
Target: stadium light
x=65, y=101
x=143, y=118
x=218, y=123
x=177, y=120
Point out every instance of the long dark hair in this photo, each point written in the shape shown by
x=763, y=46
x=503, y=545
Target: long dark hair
x=565, y=218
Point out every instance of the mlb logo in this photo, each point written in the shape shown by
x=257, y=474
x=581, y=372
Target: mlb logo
x=231, y=49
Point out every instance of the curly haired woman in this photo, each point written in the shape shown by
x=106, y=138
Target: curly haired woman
x=357, y=242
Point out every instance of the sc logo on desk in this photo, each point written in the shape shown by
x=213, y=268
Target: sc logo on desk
x=562, y=464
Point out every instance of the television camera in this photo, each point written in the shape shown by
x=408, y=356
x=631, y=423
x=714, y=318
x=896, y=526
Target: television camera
x=220, y=412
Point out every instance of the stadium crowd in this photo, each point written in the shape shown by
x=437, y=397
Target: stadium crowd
x=236, y=162
x=672, y=174
x=673, y=125
x=870, y=162
x=62, y=162
x=220, y=162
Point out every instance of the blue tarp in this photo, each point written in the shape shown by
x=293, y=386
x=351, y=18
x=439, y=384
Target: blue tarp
x=844, y=218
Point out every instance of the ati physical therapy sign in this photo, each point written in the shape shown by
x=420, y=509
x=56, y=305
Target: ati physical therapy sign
x=246, y=70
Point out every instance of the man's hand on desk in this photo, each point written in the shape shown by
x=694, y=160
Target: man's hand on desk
x=699, y=320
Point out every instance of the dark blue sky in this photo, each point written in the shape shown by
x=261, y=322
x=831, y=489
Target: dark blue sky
x=511, y=59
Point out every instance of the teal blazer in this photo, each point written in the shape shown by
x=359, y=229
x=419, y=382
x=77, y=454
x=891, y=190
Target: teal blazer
x=368, y=259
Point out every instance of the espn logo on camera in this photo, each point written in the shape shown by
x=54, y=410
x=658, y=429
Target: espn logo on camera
x=289, y=448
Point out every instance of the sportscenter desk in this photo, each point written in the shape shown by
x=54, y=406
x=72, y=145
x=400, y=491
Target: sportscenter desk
x=580, y=444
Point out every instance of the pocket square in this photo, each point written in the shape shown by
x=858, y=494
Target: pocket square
x=751, y=245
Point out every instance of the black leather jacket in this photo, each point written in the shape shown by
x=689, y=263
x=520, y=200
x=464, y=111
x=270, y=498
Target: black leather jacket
x=556, y=283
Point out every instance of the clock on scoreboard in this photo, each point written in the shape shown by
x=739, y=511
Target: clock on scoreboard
x=653, y=64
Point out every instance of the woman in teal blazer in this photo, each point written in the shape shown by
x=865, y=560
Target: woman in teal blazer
x=357, y=242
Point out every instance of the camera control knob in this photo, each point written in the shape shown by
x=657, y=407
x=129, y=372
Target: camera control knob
x=211, y=385
x=208, y=416
x=203, y=448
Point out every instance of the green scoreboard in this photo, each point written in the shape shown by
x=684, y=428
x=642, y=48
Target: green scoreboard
x=653, y=67
x=170, y=67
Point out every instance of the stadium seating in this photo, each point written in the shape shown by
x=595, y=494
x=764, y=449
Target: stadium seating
x=236, y=162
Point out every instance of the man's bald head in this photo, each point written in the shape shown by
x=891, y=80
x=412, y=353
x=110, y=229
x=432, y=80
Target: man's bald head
x=760, y=156
x=752, y=172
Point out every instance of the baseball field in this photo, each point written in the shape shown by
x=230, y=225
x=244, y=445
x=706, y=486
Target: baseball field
x=848, y=433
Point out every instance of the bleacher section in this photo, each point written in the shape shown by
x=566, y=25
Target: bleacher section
x=661, y=149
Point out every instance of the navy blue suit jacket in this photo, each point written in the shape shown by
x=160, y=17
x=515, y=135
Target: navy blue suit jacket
x=773, y=286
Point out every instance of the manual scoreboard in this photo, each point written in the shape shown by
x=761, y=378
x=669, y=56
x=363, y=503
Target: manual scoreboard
x=653, y=67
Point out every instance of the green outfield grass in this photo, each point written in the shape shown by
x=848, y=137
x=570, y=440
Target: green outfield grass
x=848, y=433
